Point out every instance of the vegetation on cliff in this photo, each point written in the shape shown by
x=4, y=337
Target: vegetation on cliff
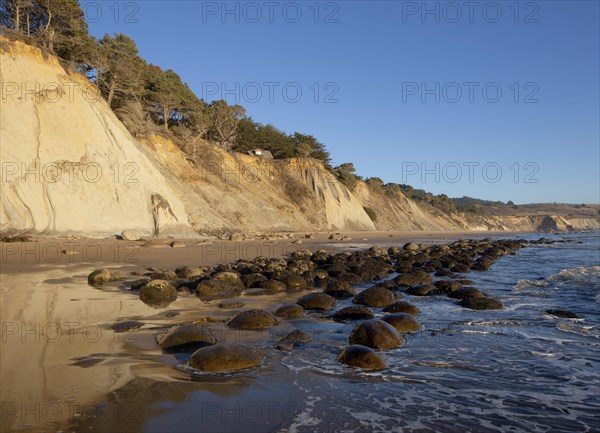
x=145, y=97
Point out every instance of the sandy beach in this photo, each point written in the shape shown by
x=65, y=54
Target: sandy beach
x=59, y=355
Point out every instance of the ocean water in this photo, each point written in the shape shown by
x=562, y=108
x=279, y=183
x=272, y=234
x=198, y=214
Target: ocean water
x=518, y=369
x=512, y=370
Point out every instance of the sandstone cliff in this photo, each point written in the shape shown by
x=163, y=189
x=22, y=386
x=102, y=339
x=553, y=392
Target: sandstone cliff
x=68, y=166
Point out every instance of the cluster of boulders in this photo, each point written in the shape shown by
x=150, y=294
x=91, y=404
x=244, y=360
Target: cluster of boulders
x=321, y=279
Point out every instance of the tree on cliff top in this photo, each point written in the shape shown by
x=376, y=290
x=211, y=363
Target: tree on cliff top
x=58, y=26
x=118, y=69
x=167, y=96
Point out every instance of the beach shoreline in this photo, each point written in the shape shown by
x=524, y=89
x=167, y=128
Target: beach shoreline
x=57, y=345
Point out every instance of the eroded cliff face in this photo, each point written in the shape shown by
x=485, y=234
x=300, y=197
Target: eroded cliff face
x=68, y=166
x=224, y=190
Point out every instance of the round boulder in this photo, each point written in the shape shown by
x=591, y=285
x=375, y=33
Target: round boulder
x=481, y=304
x=189, y=272
x=104, y=275
x=421, y=290
x=229, y=279
x=376, y=334
x=361, y=356
x=289, y=311
x=211, y=287
x=186, y=336
x=413, y=278
x=293, y=339
x=353, y=313
x=163, y=275
x=411, y=246
x=403, y=322
x=317, y=301
x=466, y=293
x=339, y=290
x=375, y=297
x=402, y=307
x=565, y=314
x=273, y=286
x=253, y=280
x=226, y=357
x=253, y=320
x=139, y=283
x=295, y=282
x=445, y=287
x=158, y=293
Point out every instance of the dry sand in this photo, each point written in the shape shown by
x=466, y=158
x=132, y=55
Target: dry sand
x=58, y=353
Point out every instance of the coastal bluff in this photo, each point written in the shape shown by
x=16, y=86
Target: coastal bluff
x=69, y=166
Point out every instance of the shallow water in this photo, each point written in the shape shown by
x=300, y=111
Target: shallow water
x=517, y=369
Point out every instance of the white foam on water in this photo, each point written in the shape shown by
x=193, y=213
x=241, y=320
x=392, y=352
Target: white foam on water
x=527, y=284
x=372, y=421
x=545, y=354
x=306, y=418
x=582, y=273
x=574, y=328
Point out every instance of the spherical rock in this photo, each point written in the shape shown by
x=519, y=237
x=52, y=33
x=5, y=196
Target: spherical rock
x=339, y=290
x=421, y=290
x=215, y=288
x=158, y=293
x=481, y=304
x=253, y=280
x=289, y=311
x=253, y=320
x=467, y=293
x=445, y=287
x=411, y=246
x=163, y=275
x=460, y=268
x=565, y=314
x=295, y=282
x=229, y=279
x=444, y=273
x=226, y=357
x=273, y=286
x=139, y=283
x=375, y=297
x=413, y=278
x=192, y=334
x=353, y=313
x=293, y=339
x=402, y=307
x=361, y=356
x=403, y=322
x=317, y=301
x=104, y=275
x=376, y=334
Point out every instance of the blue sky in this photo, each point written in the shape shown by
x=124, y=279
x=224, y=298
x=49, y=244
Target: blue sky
x=391, y=85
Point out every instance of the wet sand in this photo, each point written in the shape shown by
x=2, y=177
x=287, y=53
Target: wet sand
x=59, y=356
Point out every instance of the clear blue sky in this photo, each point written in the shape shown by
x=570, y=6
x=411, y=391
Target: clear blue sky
x=378, y=58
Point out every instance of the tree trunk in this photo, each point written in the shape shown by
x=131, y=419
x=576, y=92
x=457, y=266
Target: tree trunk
x=17, y=16
x=111, y=93
x=166, y=112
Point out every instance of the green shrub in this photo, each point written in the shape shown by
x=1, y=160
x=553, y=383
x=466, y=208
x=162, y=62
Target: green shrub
x=372, y=214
